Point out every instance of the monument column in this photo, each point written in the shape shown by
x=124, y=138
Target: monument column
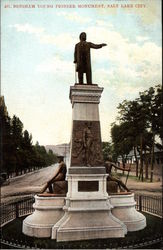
x=86, y=134
x=86, y=148
x=87, y=209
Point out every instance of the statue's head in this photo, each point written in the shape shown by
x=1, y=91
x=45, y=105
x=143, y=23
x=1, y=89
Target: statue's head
x=108, y=158
x=83, y=36
x=60, y=158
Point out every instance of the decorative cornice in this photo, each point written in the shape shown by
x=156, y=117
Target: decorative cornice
x=85, y=94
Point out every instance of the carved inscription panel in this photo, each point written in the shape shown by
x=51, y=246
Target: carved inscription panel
x=88, y=186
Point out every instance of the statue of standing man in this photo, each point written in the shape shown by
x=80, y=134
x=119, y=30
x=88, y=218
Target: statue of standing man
x=82, y=57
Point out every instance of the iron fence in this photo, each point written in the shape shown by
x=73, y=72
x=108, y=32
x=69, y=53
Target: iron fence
x=13, y=210
x=149, y=204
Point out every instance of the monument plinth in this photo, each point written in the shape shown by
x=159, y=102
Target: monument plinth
x=87, y=209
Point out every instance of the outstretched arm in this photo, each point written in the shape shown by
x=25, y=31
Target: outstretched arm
x=123, y=169
x=97, y=46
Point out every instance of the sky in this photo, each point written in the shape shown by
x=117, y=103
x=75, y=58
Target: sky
x=37, y=48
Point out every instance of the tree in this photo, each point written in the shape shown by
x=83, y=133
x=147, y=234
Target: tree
x=17, y=137
x=107, y=150
x=42, y=157
x=151, y=98
x=18, y=153
x=5, y=141
x=121, y=139
x=134, y=114
x=52, y=158
x=26, y=151
x=142, y=117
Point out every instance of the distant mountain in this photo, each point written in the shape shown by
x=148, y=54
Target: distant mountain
x=60, y=149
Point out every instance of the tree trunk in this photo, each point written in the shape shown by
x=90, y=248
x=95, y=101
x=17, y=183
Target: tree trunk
x=141, y=158
x=146, y=164
x=152, y=158
x=8, y=174
x=123, y=163
x=136, y=159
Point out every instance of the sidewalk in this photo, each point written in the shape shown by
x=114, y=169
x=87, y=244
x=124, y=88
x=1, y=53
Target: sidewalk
x=154, y=188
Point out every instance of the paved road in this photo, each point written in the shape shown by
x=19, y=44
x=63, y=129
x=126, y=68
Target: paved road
x=27, y=184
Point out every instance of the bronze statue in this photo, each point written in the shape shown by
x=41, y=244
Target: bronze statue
x=108, y=166
x=60, y=175
x=82, y=57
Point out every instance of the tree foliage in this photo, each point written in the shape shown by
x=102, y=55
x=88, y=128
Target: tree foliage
x=107, y=150
x=139, y=122
x=17, y=150
x=122, y=140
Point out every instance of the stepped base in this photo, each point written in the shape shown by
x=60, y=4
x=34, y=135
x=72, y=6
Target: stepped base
x=84, y=225
x=88, y=209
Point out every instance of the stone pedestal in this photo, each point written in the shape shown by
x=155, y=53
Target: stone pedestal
x=124, y=209
x=87, y=210
x=48, y=210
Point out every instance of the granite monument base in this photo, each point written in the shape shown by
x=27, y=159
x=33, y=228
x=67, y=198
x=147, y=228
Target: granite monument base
x=87, y=209
x=90, y=215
